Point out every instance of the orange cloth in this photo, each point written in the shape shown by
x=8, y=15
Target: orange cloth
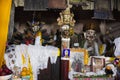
x=5, y=7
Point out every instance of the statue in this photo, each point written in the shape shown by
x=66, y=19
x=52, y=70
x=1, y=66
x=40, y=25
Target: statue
x=90, y=43
x=66, y=17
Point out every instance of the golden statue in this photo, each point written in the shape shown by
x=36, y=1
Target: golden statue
x=66, y=17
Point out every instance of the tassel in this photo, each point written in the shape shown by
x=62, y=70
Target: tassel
x=30, y=68
x=86, y=57
x=23, y=59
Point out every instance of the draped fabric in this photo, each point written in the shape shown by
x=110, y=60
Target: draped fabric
x=35, y=4
x=118, y=5
x=5, y=6
x=103, y=28
x=103, y=11
x=57, y=4
x=64, y=69
x=11, y=23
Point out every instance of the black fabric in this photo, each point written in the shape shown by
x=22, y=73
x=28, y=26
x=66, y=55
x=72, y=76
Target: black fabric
x=35, y=4
x=52, y=72
x=55, y=70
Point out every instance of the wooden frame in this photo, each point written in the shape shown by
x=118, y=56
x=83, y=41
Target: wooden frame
x=97, y=63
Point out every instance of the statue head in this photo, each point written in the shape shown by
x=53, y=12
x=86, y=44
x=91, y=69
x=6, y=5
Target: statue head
x=90, y=35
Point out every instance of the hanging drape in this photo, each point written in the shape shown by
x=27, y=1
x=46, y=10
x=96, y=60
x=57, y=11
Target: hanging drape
x=35, y=4
x=11, y=22
x=5, y=6
x=103, y=11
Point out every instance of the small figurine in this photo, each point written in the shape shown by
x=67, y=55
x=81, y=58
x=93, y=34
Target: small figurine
x=16, y=72
x=108, y=71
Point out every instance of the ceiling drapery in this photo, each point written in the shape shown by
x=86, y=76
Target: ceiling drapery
x=57, y=4
x=103, y=10
x=35, y=4
x=60, y=4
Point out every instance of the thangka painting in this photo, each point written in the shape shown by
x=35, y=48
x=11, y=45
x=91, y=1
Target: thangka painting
x=97, y=63
x=66, y=53
x=78, y=58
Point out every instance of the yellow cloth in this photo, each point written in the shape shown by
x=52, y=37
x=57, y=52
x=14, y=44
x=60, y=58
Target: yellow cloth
x=101, y=48
x=29, y=65
x=23, y=59
x=5, y=7
x=86, y=57
x=58, y=52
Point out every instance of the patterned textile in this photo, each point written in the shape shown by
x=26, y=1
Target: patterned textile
x=18, y=55
x=10, y=57
x=93, y=79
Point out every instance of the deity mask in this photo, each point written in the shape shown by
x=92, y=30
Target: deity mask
x=90, y=35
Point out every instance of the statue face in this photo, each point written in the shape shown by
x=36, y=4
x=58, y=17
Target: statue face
x=66, y=34
x=66, y=18
x=90, y=35
x=35, y=28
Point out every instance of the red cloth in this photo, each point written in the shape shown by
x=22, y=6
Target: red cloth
x=64, y=69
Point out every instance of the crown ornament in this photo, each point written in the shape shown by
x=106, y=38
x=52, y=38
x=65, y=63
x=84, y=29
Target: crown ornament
x=66, y=17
